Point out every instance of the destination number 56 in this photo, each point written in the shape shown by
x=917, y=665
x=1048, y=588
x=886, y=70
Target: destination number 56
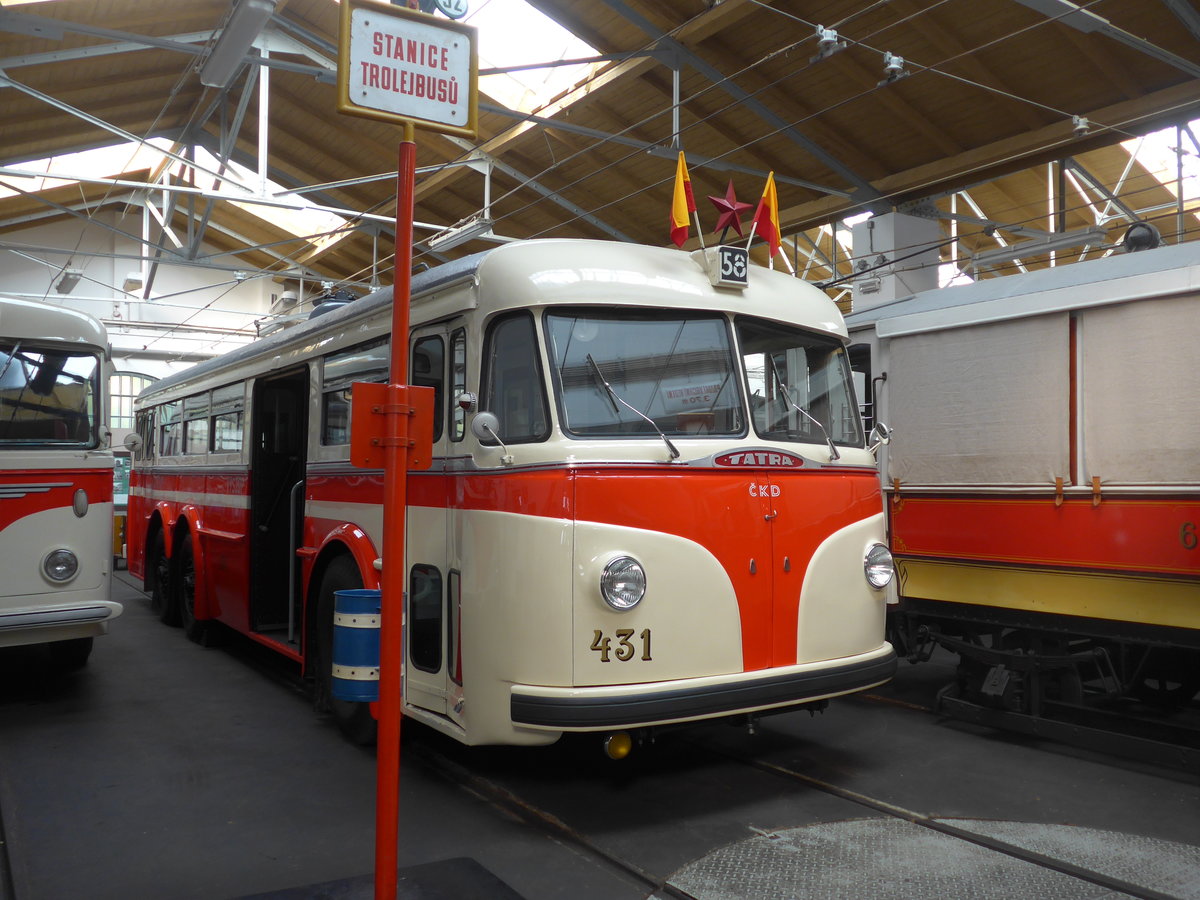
x=623, y=647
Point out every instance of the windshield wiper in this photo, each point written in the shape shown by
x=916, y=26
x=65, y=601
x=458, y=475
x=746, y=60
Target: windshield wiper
x=787, y=392
x=614, y=398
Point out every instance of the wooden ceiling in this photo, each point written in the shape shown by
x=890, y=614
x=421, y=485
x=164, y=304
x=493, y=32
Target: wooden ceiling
x=988, y=93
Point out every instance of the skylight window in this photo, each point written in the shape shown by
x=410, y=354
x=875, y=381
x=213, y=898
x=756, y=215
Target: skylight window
x=513, y=33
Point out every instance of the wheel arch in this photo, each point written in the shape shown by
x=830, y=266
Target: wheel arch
x=188, y=527
x=348, y=542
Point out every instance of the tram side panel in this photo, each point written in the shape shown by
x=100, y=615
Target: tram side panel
x=1046, y=489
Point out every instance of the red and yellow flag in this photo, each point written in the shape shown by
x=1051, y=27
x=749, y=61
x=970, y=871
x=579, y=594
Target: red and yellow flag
x=766, y=216
x=682, y=204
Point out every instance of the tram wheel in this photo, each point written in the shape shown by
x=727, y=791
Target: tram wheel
x=198, y=630
x=162, y=603
x=353, y=719
x=1170, y=679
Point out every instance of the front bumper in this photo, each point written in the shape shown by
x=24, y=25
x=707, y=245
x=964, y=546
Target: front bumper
x=659, y=703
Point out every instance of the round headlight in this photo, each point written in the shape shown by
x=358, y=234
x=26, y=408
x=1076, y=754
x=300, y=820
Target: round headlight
x=60, y=565
x=623, y=583
x=879, y=566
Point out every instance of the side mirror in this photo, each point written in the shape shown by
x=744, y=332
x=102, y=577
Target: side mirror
x=486, y=427
x=881, y=436
x=133, y=442
x=466, y=401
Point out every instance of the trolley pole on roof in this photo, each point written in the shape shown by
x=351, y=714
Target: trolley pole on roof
x=406, y=67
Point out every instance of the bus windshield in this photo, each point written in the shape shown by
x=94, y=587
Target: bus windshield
x=47, y=396
x=676, y=369
x=799, y=385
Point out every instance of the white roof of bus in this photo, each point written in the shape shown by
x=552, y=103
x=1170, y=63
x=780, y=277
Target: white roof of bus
x=31, y=321
x=560, y=272
x=1118, y=278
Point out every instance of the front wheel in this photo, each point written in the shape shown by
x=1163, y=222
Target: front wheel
x=354, y=719
x=70, y=655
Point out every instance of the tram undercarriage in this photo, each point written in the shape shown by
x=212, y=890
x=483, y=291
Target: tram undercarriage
x=1066, y=680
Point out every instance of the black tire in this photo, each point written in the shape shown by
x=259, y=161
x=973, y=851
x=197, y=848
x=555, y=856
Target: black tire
x=70, y=655
x=158, y=567
x=201, y=631
x=353, y=719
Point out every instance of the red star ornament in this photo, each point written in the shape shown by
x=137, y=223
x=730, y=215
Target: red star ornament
x=729, y=209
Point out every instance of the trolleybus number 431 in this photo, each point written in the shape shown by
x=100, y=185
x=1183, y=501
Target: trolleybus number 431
x=625, y=649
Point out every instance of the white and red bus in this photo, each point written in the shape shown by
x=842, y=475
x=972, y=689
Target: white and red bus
x=651, y=498
x=56, y=480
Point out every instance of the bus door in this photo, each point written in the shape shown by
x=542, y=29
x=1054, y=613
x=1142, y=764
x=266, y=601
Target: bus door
x=437, y=360
x=280, y=421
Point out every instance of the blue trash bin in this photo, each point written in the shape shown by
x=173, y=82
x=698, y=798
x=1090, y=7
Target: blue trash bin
x=356, y=616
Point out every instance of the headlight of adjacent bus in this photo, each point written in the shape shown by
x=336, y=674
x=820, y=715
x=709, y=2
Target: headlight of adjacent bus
x=879, y=566
x=60, y=565
x=623, y=583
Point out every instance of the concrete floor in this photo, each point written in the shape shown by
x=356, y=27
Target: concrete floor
x=167, y=770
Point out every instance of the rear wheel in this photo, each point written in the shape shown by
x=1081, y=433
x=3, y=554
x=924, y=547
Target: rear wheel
x=162, y=602
x=353, y=719
x=198, y=630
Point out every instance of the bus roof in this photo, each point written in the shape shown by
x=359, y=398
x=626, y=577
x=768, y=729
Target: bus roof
x=29, y=321
x=522, y=274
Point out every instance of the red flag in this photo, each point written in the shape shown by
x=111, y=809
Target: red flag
x=766, y=216
x=682, y=203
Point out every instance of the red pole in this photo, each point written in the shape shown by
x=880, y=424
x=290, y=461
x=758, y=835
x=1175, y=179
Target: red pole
x=395, y=500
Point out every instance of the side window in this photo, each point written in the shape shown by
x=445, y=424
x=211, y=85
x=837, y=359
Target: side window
x=429, y=370
x=170, y=430
x=458, y=383
x=228, y=419
x=425, y=617
x=513, y=386
x=368, y=362
x=195, y=424
x=145, y=430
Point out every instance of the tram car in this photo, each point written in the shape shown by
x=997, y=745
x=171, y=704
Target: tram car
x=651, y=499
x=1043, y=482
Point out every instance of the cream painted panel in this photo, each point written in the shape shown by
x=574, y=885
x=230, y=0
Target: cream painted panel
x=690, y=609
x=840, y=613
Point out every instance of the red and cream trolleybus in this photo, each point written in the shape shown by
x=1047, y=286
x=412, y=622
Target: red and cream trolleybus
x=651, y=498
x=56, y=480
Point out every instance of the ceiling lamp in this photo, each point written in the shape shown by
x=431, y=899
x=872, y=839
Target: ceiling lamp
x=67, y=281
x=246, y=23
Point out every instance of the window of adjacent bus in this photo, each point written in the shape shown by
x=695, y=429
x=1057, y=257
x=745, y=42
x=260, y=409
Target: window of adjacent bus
x=170, y=430
x=458, y=383
x=429, y=370
x=228, y=409
x=513, y=388
x=195, y=424
x=425, y=617
x=676, y=369
x=368, y=362
x=794, y=377
x=47, y=396
x=145, y=430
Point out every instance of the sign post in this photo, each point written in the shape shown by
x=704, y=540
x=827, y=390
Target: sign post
x=412, y=69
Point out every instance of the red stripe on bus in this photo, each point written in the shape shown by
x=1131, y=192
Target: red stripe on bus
x=98, y=483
